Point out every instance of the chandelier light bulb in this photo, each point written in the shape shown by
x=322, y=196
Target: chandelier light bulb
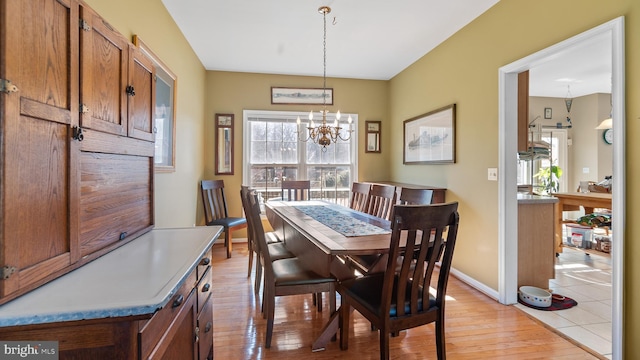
x=298, y=120
x=311, y=115
x=349, y=120
x=338, y=115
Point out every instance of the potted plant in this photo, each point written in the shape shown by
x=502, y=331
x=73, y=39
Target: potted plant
x=549, y=178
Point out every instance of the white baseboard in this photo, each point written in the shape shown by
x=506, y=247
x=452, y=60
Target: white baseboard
x=475, y=284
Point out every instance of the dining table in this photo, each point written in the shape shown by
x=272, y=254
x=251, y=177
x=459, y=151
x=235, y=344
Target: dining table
x=321, y=234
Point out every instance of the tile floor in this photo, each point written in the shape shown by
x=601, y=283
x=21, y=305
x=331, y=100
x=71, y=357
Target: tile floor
x=586, y=279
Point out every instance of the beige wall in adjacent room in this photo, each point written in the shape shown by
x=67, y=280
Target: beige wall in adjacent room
x=464, y=70
x=231, y=93
x=587, y=150
x=176, y=193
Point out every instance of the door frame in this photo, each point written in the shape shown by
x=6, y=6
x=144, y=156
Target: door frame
x=507, y=182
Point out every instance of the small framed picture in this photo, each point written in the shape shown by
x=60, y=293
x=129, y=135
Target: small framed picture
x=547, y=113
x=373, y=136
x=224, y=144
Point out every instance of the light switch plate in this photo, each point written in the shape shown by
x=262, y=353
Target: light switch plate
x=492, y=174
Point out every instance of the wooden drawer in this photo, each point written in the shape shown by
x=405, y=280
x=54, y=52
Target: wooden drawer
x=204, y=264
x=152, y=331
x=205, y=330
x=204, y=288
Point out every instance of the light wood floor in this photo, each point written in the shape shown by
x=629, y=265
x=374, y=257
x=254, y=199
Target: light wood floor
x=477, y=327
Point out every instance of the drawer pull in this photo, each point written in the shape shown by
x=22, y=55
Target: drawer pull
x=205, y=261
x=177, y=302
x=207, y=328
x=206, y=287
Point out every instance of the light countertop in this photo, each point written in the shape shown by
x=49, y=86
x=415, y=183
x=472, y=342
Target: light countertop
x=134, y=279
x=536, y=199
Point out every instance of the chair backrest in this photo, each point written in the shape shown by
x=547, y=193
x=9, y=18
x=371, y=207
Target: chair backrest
x=410, y=196
x=410, y=266
x=359, y=196
x=252, y=211
x=244, y=193
x=296, y=190
x=214, y=200
x=381, y=200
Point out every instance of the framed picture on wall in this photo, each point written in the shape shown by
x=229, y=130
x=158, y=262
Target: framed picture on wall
x=547, y=113
x=301, y=96
x=430, y=138
x=372, y=136
x=224, y=144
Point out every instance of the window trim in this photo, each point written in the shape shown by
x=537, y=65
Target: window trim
x=292, y=116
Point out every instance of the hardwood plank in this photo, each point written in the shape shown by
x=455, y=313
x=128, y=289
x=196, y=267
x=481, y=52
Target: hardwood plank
x=477, y=327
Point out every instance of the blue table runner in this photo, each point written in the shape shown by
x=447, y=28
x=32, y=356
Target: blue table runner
x=344, y=224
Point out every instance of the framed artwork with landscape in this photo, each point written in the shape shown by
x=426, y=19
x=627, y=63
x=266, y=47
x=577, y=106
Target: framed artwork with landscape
x=430, y=138
x=301, y=96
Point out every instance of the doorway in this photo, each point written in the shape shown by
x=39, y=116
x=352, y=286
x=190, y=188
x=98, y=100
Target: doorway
x=507, y=182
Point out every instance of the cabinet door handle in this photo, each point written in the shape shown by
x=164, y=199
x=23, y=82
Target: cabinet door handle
x=206, y=287
x=177, y=302
x=207, y=328
x=205, y=261
x=130, y=90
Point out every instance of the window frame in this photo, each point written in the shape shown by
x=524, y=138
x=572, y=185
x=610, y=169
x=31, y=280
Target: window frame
x=301, y=164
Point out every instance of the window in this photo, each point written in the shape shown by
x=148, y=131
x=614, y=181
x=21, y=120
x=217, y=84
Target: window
x=557, y=155
x=272, y=153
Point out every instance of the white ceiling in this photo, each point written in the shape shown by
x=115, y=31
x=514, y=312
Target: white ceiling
x=366, y=39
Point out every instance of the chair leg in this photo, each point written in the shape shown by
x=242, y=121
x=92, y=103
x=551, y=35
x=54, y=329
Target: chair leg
x=345, y=311
x=250, y=248
x=269, y=301
x=258, y=279
x=440, y=340
x=227, y=242
x=318, y=297
x=384, y=345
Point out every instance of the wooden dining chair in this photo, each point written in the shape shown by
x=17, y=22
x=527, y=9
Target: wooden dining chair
x=381, y=200
x=399, y=298
x=276, y=248
x=380, y=203
x=286, y=276
x=296, y=190
x=359, y=196
x=409, y=196
x=216, y=213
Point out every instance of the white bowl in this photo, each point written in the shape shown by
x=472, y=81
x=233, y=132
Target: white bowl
x=535, y=296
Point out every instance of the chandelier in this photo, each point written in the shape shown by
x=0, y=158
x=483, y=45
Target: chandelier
x=324, y=134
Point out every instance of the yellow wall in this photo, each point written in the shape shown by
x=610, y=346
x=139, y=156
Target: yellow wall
x=464, y=70
x=231, y=93
x=176, y=194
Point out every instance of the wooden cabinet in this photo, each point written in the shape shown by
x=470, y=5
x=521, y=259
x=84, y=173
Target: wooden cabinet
x=76, y=180
x=181, y=329
x=536, y=250
x=39, y=157
x=117, y=93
